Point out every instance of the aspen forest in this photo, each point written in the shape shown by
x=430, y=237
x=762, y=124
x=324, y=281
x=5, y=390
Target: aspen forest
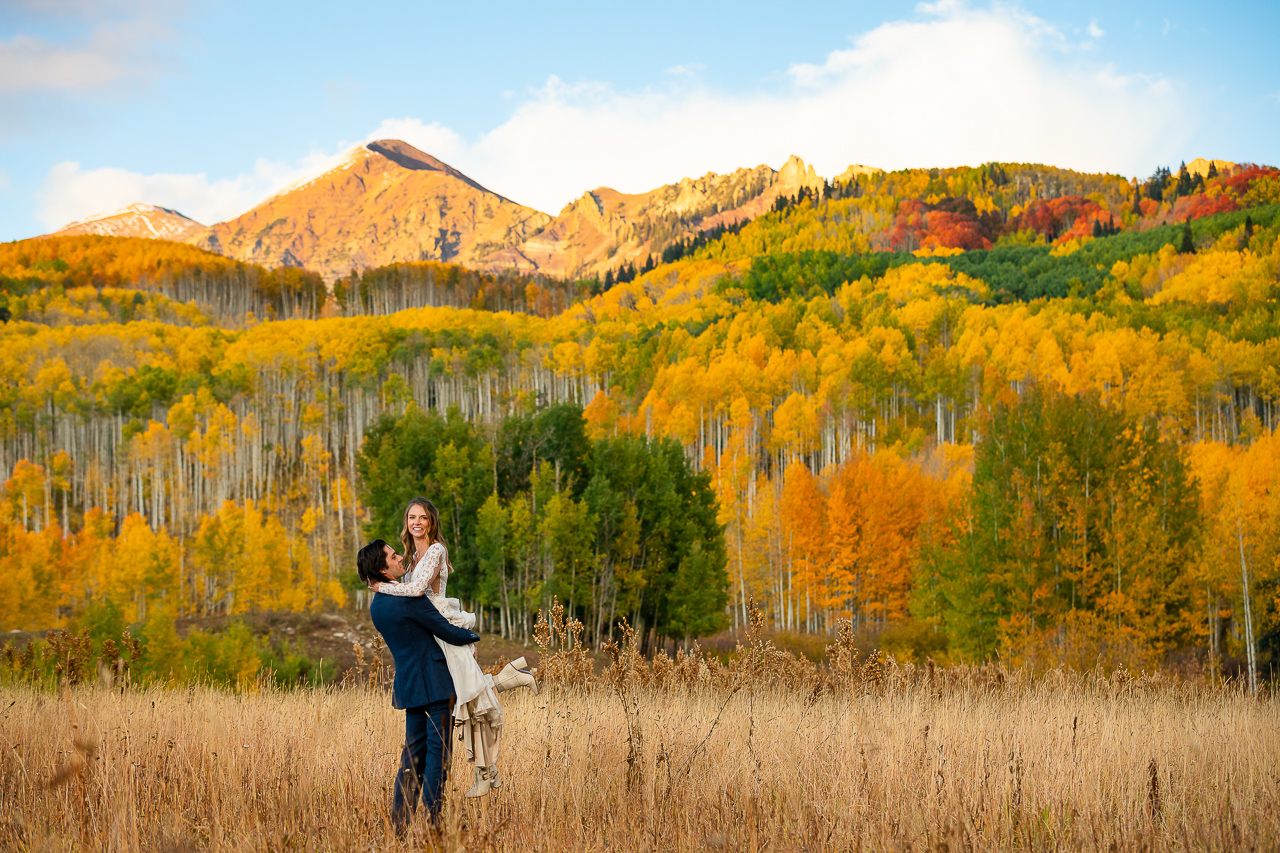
x=1008, y=411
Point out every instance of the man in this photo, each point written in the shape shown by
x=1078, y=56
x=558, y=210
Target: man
x=423, y=686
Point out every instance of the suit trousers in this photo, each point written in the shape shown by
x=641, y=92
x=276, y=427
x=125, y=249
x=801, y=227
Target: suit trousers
x=424, y=761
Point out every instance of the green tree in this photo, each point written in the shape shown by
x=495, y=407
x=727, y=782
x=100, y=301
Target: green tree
x=556, y=435
x=567, y=530
x=678, y=543
x=161, y=648
x=1184, y=181
x=491, y=558
x=1079, y=514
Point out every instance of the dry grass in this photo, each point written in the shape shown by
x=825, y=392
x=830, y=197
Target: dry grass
x=950, y=760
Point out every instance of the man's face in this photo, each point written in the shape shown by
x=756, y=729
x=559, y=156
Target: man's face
x=395, y=564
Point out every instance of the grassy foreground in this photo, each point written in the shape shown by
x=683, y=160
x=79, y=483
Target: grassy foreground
x=673, y=756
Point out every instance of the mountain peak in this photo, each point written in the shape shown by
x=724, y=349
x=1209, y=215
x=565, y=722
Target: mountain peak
x=382, y=202
x=406, y=156
x=795, y=174
x=135, y=220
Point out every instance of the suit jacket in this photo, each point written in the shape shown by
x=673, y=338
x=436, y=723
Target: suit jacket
x=409, y=626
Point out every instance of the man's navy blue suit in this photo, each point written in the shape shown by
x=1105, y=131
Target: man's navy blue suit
x=423, y=688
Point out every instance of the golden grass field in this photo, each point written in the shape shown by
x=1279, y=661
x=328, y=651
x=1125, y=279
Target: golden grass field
x=768, y=753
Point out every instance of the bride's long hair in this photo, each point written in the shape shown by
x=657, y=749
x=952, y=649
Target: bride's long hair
x=432, y=533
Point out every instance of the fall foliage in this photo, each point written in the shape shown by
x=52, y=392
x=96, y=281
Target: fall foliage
x=944, y=398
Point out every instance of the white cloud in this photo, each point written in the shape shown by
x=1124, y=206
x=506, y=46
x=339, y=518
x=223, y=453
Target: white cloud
x=955, y=86
x=91, y=46
x=28, y=63
x=1096, y=31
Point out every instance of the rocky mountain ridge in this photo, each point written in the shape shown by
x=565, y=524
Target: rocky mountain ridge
x=388, y=202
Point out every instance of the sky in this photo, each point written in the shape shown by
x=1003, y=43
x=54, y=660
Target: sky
x=210, y=106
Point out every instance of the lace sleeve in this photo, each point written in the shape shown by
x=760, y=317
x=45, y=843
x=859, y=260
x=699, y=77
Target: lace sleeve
x=429, y=568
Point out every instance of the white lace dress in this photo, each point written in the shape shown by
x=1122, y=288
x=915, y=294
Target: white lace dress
x=476, y=707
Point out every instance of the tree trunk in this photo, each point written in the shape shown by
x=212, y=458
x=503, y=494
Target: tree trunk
x=1250, y=646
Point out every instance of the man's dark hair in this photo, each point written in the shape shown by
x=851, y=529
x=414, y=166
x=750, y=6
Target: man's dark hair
x=371, y=562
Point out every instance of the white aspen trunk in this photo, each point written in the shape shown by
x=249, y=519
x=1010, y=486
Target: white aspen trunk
x=1251, y=648
x=742, y=578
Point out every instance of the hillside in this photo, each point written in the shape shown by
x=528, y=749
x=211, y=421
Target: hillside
x=1007, y=410
x=91, y=278
x=388, y=203
x=605, y=229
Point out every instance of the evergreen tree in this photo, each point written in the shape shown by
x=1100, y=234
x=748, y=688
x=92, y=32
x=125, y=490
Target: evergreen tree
x=1157, y=184
x=1188, y=246
x=1078, y=509
x=670, y=571
x=1136, y=210
x=555, y=435
x=1184, y=180
x=1213, y=170
x=1097, y=228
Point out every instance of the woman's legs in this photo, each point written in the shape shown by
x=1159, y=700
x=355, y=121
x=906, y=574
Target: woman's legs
x=481, y=740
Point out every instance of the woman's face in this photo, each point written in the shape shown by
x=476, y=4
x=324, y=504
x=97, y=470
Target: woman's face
x=395, y=564
x=416, y=521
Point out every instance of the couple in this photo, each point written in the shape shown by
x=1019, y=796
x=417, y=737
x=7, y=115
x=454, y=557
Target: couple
x=438, y=682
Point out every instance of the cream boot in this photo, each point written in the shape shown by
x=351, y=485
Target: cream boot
x=513, y=675
x=494, y=782
x=481, y=787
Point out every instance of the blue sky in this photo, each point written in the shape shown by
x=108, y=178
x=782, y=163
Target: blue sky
x=208, y=106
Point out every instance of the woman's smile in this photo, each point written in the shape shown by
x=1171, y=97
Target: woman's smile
x=416, y=522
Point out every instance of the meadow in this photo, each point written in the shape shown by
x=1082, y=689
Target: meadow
x=766, y=752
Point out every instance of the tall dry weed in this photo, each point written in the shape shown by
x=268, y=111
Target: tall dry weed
x=761, y=752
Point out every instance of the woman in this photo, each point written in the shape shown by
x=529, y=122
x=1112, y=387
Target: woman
x=476, y=710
